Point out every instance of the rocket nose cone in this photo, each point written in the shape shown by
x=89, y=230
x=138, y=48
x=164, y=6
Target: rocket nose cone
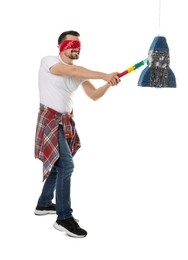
x=159, y=44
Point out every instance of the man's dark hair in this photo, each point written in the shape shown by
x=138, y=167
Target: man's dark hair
x=62, y=37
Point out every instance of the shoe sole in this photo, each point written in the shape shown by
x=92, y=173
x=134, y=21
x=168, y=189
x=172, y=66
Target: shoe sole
x=60, y=228
x=44, y=212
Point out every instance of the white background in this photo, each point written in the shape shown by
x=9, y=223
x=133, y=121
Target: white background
x=129, y=188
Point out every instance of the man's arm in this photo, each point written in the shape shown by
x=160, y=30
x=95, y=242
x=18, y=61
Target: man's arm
x=95, y=93
x=83, y=73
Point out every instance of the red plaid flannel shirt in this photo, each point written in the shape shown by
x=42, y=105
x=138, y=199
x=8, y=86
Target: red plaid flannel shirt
x=46, y=139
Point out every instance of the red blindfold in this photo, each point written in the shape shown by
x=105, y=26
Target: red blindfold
x=69, y=44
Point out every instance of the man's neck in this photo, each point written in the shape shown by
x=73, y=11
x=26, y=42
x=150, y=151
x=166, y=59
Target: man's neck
x=66, y=59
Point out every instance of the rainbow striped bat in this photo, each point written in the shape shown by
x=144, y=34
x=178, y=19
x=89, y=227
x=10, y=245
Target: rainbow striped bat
x=132, y=68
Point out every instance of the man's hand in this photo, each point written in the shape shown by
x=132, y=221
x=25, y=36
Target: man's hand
x=112, y=78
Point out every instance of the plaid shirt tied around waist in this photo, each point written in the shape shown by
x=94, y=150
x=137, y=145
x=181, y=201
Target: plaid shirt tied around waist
x=46, y=139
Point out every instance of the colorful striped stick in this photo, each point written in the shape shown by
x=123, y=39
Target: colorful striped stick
x=132, y=68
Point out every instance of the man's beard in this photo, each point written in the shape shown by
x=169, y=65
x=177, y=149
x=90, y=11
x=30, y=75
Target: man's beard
x=74, y=55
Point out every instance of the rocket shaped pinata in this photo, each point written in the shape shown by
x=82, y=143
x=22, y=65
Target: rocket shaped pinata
x=158, y=73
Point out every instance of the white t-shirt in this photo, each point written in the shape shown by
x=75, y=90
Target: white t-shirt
x=56, y=91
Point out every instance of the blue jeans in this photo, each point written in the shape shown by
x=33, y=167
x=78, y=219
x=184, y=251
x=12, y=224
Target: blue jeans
x=59, y=180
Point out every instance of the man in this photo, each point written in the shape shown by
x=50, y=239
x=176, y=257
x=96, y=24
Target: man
x=57, y=140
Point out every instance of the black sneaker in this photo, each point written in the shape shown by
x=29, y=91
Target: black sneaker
x=45, y=210
x=71, y=227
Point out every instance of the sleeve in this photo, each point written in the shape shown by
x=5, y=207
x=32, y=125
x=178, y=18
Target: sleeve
x=48, y=61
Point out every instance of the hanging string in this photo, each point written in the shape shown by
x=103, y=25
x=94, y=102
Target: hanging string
x=159, y=25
